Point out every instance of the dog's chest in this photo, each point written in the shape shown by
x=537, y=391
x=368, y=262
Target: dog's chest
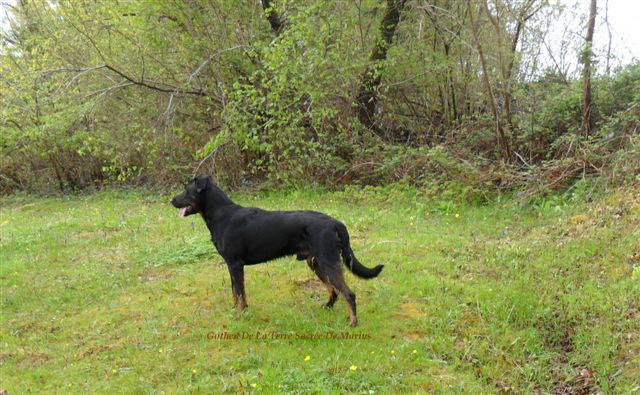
x=217, y=242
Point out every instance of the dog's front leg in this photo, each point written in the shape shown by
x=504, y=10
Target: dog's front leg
x=236, y=270
x=233, y=290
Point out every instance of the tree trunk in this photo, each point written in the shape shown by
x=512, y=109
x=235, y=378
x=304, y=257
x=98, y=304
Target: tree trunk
x=587, y=53
x=502, y=138
x=442, y=88
x=507, y=75
x=276, y=20
x=451, y=85
x=504, y=84
x=506, y=60
x=446, y=36
x=528, y=10
x=370, y=81
x=606, y=21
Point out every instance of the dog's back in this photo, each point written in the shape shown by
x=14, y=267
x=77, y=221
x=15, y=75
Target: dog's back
x=255, y=236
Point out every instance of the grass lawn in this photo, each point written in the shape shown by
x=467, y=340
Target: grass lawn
x=113, y=292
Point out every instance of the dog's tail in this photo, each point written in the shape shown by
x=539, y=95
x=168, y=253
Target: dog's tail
x=350, y=260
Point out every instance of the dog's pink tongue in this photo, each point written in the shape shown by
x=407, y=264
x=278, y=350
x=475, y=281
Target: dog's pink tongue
x=183, y=211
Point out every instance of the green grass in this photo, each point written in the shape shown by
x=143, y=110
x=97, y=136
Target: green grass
x=113, y=292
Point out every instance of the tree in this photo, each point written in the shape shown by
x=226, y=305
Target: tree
x=520, y=13
x=367, y=96
x=503, y=141
x=276, y=20
x=587, y=55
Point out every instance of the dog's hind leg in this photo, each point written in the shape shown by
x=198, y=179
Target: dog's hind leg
x=336, y=279
x=324, y=247
x=333, y=295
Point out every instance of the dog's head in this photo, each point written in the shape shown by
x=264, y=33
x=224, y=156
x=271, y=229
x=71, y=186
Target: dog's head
x=192, y=199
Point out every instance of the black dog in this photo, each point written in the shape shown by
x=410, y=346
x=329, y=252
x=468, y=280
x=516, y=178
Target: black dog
x=247, y=236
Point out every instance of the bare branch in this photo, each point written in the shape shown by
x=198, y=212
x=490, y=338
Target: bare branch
x=218, y=53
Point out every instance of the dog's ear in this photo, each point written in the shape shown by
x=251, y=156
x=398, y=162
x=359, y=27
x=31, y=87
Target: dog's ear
x=201, y=183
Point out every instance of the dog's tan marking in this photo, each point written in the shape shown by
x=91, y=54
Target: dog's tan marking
x=235, y=296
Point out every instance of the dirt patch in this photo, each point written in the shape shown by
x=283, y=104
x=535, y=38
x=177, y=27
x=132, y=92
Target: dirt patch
x=411, y=310
x=312, y=284
x=158, y=276
x=414, y=335
x=582, y=383
x=628, y=355
x=25, y=358
x=101, y=348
